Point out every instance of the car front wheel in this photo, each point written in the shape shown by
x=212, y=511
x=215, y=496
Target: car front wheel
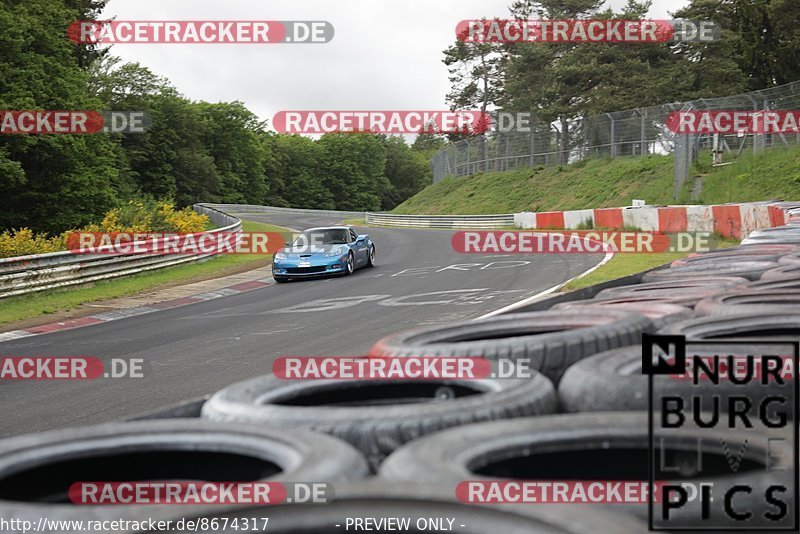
x=349, y=266
x=371, y=256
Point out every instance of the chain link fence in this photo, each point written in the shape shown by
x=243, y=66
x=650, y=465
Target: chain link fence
x=633, y=132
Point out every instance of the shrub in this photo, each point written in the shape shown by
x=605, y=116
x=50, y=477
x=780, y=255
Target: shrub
x=137, y=216
x=23, y=242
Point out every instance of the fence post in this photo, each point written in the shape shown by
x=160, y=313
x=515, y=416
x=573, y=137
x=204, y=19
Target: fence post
x=643, y=149
x=613, y=150
x=469, y=150
x=533, y=144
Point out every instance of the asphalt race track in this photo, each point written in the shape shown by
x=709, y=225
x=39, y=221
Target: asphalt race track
x=194, y=350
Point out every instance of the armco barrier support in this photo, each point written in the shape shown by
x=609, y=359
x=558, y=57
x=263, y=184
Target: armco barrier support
x=29, y=274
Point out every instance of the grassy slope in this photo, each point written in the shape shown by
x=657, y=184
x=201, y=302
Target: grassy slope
x=606, y=183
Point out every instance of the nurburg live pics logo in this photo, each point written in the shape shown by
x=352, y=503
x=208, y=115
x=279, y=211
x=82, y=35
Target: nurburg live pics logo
x=741, y=493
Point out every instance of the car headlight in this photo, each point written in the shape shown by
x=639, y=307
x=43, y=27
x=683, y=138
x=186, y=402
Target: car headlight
x=335, y=251
x=280, y=256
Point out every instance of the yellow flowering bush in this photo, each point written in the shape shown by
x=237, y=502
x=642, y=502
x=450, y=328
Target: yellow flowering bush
x=137, y=216
x=184, y=221
x=23, y=242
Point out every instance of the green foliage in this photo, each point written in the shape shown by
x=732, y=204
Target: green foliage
x=561, y=82
x=50, y=182
x=192, y=151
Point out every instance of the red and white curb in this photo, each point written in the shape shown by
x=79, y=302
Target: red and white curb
x=729, y=220
x=113, y=315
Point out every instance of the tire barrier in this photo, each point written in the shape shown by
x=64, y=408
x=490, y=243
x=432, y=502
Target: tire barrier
x=596, y=446
x=790, y=258
x=773, y=326
x=419, y=505
x=750, y=269
x=783, y=234
x=36, y=470
x=750, y=301
x=786, y=271
x=550, y=341
x=779, y=283
x=659, y=312
x=613, y=381
x=685, y=292
x=378, y=417
x=740, y=253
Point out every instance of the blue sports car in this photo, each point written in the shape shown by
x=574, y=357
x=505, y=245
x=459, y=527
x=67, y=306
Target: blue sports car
x=323, y=251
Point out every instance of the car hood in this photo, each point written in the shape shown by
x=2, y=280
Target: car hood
x=310, y=251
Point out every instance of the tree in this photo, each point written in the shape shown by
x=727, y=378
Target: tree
x=293, y=164
x=231, y=134
x=759, y=39
x=49, y=182
x=408, y=172
x=351, y=168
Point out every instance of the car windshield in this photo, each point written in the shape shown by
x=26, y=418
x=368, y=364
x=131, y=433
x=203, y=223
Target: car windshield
x=331, y=236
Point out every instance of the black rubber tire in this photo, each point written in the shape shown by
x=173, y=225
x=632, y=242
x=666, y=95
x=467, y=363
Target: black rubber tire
x=371, y=256
x=660, y=312
x=764, y=326
x=789, y=235
x=377, y=499
x=790, y=259
x=613, y=381
x=280, y=279
x=750, y=301
x=783, y=272
x=378, y=430
x=566, y=337
x=715, y=257
x=740, y=252
x=767, y=285
x=750, y=269
x=595, y=446
x=686, y=292
x=42, y=466
x=766, y=248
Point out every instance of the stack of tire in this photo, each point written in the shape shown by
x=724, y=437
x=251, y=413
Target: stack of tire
x=400, y=448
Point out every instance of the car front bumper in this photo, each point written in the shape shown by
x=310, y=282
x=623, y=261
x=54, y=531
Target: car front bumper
x=312, y=267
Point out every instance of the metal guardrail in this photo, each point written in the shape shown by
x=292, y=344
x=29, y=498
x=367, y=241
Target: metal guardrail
x=441, y=221
x=38, y=272
x=252, y=208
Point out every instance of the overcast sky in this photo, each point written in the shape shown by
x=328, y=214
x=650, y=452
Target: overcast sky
x=386, y=54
